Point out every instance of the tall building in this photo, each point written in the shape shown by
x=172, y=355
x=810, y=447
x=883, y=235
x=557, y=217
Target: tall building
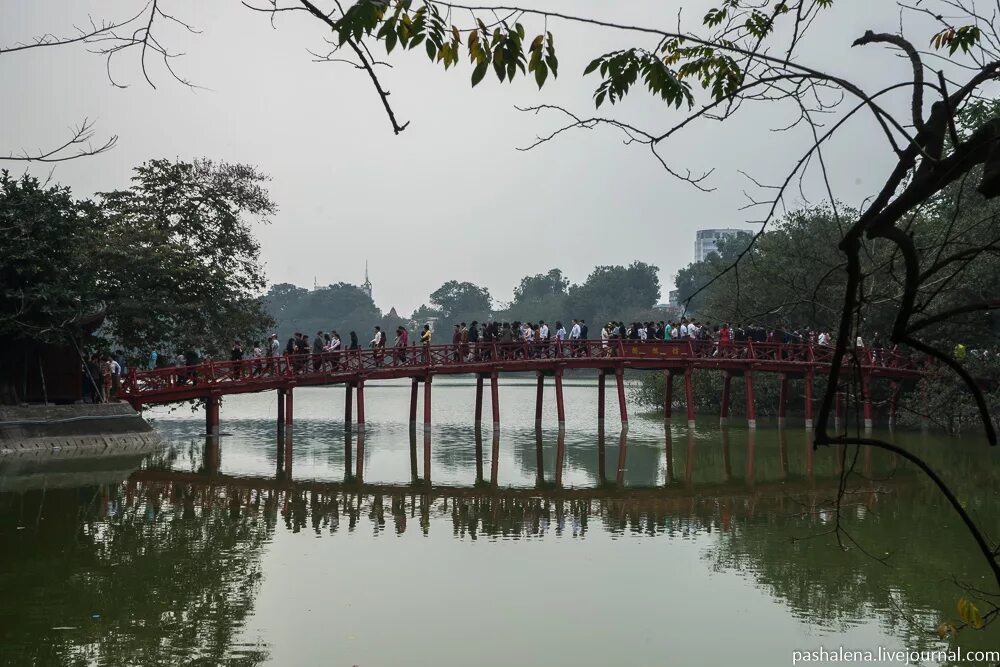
x=707, y=240
x=367, y=286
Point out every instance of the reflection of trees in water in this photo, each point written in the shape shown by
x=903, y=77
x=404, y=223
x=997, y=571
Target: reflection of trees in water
x=794, y=557
x=132, y=574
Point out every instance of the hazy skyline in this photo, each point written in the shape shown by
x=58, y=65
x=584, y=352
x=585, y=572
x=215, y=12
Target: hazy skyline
x=451, y=197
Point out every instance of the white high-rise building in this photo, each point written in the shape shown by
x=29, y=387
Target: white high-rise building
x=707, y=240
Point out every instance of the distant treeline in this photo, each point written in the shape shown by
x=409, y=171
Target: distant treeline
x=609, y=293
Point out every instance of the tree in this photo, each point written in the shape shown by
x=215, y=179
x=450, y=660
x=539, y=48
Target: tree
x=181, y=265
x=341, y=307
x=48, y=283
x=462, y=301
x=621, y=293
x=539, y=297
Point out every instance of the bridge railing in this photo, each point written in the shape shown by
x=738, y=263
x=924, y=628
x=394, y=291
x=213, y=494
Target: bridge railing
x=423, y=358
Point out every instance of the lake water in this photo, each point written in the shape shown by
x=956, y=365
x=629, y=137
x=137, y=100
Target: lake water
x=663, y=546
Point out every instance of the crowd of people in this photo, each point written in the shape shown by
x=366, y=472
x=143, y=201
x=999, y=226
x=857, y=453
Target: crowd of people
x=480, y=341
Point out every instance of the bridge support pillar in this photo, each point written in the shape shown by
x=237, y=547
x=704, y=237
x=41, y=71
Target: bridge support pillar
x=751, y=409
x=600, y=397
x=601, y=458
x=668, y=395
x=622, y=452
x=560, y=406
x=495, y=457
x=866, y=396
x=288, y=408
x=427, y=456
x=689, y=396
x=281, y=412
x=622, y=408
x=809, y=399
x=727, y=386
x=359, y=470
x=413, y=400
x=348, y=405
x=495, y=396
x=479, y=400
x=414, y=474
x=361, y=405
x=427, y=402
x=212, y=416
x=479, y=458
x=782, y=398
x=560, y=455
x=539, y=397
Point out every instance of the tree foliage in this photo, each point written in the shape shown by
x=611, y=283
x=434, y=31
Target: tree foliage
x=181, y=265
x=170, y=262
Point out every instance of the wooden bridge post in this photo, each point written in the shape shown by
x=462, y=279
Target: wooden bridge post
x=622, y=409
x=414, y=475
x=601, y=458
x=600, y=397
x=809, y=399
x=689, y=396
x=622, y=450
x=361, y=405
x=669, y=455
x=560, y=455
x=866, y=396
x=495, y=396
x=427, y=402
x=427, y=456
x=413, y=400
x=281, y=411
x=479, y=458
x=560, y=406
x=782, y=398
x=539, y=459
x=288, y=409
x=668, y=395
x=495, y=457
x=727, y=382
x=359, y=470
x=751, y=411
x=348, y=405
x=539, y=393
x=479, y=399
x=286, y=472
x=212, y=415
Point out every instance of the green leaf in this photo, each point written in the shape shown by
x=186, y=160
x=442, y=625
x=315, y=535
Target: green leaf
x=390, y=41
x=479, y=72
x=431, y=51
x=594, y=64
x=541, y=72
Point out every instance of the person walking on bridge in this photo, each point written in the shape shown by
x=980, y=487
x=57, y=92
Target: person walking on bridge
x=317, y=351
x=425, y=342
x=402, y=340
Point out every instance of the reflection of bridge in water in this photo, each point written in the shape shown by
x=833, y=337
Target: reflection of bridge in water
x=703, y=469
x=211, y=381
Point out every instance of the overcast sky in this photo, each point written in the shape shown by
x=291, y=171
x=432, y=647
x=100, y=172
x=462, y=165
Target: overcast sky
x=451, y=197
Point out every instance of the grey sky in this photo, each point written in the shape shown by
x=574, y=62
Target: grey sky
x=451, y=197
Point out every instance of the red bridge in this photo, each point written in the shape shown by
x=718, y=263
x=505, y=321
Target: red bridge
x=354, y=368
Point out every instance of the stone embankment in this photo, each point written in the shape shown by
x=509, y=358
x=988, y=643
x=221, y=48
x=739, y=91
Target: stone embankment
x=65, y=429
